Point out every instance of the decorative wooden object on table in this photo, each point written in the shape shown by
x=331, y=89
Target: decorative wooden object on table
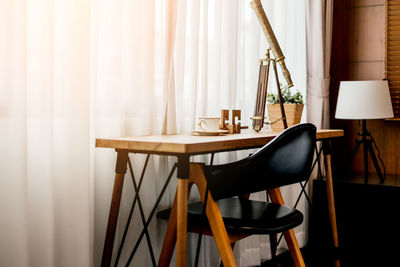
x=233, y=128
x=236, y=114
x=224, y=119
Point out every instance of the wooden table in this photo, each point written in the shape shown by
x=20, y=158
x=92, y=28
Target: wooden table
x=184, y=146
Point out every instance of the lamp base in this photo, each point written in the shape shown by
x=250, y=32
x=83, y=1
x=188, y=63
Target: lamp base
x=368, y=148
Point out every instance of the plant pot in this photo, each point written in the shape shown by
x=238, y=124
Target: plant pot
x=293, y=115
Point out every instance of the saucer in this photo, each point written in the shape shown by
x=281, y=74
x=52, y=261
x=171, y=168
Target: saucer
x=218, y=132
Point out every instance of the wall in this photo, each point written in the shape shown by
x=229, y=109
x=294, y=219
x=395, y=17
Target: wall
x=358, y=53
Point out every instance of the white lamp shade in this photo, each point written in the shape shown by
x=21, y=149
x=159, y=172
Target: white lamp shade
x=359, y=100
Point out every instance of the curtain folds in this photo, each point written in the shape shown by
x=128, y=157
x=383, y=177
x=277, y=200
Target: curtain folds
x=73, y=71
x=45, y=175
x=319, y=45
x=319, y=17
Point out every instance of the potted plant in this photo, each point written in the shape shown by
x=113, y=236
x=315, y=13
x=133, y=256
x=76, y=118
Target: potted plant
x=293, y=104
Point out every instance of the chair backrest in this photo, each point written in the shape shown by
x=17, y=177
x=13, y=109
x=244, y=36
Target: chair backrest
x=287, y=159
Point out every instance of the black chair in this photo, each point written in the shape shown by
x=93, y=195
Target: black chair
x=287, y=159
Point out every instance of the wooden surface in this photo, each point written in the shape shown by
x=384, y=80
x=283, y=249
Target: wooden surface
x=195, y=144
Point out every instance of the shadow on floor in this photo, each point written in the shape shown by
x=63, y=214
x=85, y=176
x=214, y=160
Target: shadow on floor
x=311, y=260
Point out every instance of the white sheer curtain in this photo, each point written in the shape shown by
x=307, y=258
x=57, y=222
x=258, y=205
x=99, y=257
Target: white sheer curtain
x=72, y=71
x=45, y=174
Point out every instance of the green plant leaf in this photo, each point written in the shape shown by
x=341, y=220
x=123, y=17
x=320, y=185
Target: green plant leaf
x=288, y=97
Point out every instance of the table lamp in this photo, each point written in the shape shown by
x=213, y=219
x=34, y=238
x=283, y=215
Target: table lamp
x=365, y=100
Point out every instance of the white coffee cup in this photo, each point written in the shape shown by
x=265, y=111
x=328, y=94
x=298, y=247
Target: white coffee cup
x=209, y=124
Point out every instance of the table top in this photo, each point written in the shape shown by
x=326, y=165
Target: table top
x=197, y=144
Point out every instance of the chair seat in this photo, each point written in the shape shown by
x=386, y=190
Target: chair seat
x=242, y=216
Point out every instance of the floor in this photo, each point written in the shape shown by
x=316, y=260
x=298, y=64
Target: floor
x=311, y=260
x=367, y=219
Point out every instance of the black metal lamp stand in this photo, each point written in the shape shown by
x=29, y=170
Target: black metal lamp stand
x=367, y=140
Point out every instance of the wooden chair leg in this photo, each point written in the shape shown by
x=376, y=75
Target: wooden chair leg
x=170, y=235
x=221, y=237
x=294, y=248
x=214, y=217
x=232, y=246
x=291, y=241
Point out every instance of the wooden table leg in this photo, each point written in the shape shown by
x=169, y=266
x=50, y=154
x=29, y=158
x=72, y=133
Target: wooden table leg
x=291, y=241
x=120, y=170
x=329, y=191
x=181, y=220
x=169, y=239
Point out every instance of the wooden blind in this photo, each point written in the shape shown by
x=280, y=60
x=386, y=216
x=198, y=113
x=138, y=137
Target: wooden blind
x=392, y=56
